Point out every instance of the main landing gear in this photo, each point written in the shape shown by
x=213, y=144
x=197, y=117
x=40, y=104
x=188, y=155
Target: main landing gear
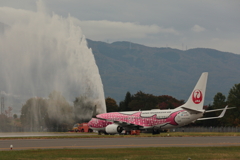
x=102, y=133
x=156, y=130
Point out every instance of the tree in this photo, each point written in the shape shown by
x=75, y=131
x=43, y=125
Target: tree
x=5, y=121
x=111, y=105
x=15, y=116
x=234, y=101
x=55, y=113
x=168, y=102
x=34, y=114
x=8, y=112
x=124, y=105
x=84, y=109
x=219, y=101
x=142, y=101
x=60, y=112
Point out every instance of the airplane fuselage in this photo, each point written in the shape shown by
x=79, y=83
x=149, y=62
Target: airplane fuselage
x=164, y=119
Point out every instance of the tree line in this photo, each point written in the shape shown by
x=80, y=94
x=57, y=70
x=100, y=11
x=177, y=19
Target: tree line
x=143, y=101
x=56, y=114
x=232, y=116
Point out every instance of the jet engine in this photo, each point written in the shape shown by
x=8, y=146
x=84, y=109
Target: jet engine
x=113, y=129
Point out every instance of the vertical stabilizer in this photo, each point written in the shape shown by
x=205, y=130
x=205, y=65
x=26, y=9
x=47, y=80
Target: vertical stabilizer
x=196, y=99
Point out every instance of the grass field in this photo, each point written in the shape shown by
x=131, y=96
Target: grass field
x=156, y=153
x=168, y=134
x=152, y=153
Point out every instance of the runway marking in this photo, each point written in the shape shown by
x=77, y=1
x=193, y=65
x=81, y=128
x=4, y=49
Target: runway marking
x=130, y=145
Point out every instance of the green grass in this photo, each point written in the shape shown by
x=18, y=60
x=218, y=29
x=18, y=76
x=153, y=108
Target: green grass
x=168, y=134
x=163, y=153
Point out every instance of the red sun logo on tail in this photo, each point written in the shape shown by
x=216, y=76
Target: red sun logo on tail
x=197, y=96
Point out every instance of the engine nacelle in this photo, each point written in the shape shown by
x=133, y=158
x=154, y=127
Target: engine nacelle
x=113, y=129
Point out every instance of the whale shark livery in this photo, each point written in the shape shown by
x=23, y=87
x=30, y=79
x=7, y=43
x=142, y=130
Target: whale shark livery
x=156, y=120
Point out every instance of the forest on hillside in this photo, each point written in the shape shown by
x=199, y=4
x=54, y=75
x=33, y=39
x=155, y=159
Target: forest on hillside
x=162, y=71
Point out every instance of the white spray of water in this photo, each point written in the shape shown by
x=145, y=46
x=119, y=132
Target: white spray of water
x=40, y=53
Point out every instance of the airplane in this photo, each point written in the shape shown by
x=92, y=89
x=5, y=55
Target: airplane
x=156, y=120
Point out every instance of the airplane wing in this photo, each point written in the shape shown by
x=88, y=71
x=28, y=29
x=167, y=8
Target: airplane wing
x=220, y=116
x=129, y=125
x=124, y=124
x=193, y=110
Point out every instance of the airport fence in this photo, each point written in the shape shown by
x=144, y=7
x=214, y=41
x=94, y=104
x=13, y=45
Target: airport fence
x=65, y=129
x=206, y=129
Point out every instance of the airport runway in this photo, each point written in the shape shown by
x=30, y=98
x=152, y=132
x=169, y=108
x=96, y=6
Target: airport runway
x=93, y=143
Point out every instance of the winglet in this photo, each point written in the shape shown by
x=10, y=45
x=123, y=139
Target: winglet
x=223, y=112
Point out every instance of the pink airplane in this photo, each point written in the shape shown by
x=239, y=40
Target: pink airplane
x=156, y=120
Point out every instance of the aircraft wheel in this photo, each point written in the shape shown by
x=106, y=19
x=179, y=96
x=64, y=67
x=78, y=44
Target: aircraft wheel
x=100, y=133
x=127, y=132
x=105, y=133
x=155, y=131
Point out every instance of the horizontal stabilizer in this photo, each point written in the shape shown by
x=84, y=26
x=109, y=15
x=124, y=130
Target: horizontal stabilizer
x=214, y=110
x=220, y=116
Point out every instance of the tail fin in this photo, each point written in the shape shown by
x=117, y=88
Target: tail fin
x=196, y=99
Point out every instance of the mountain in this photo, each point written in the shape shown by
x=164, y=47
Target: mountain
x=126, y=66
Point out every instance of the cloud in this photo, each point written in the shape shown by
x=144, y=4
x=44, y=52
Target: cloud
x=224, y=44
x=197, y=28
x=154, y=23
x=121, y=30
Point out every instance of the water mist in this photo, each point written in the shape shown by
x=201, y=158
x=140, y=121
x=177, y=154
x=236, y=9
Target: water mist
x=42, y=53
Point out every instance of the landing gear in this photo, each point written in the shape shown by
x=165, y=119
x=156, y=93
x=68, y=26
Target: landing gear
x=102, y=133
x=156, y=130
x=127, y=132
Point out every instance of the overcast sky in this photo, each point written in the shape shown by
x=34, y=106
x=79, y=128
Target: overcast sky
x=177, y=24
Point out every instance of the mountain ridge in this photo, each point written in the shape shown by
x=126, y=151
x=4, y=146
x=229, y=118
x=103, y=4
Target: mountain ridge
x=126, y=66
